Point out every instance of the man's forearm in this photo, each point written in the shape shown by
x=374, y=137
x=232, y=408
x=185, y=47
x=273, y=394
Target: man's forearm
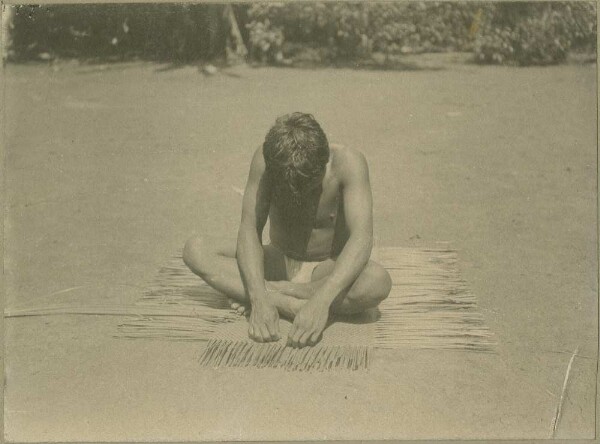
x=250, y=259
x=349, y=264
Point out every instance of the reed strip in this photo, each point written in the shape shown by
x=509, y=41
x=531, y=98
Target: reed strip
x=221, y=353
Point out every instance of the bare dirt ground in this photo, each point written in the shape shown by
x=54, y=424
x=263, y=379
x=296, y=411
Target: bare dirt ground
x=110, y=168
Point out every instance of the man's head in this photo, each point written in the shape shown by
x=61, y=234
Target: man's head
x=296, y=153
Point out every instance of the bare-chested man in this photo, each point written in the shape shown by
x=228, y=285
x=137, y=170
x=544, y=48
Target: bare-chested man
x=318, y=200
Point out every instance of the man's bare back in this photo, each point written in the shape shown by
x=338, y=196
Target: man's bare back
x=318, y=200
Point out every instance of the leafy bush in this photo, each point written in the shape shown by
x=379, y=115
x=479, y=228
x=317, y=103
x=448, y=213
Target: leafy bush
x=316, y=32
x=177, y=32
x=356, y=29
x=503, y=32
x=423, y=26
x=536, y=34
x=265, y=41
x=341, y=27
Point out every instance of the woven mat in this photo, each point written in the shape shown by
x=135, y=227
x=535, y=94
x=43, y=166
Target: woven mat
x=429, y=307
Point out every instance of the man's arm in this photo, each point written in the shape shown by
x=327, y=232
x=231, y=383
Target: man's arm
x=263, y=325
x=358, y=212
x=255, y=209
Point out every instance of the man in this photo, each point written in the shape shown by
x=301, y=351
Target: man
x=318, y=200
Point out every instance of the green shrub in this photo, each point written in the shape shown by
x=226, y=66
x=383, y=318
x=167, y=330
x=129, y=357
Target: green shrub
x=152, y=31
x=352, y=30
x=265, y=41
x=423, y=26
x=503, y=32
x=341, y=27
x=316, y=32
x=536, y=34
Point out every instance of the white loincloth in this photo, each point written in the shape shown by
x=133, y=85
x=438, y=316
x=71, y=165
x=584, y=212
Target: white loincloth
x=299, y=272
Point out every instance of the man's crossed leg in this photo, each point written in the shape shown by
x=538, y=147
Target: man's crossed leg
x=214, y=260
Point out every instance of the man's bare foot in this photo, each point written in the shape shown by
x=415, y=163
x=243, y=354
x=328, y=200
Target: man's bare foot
x=238, y=307
x=287, y=296
x=287, y=306
x=297, y=290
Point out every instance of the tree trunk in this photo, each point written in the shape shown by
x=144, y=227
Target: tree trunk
x=8, y=12
x=235, y=49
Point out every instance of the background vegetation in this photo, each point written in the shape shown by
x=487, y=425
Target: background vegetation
x=299, y=32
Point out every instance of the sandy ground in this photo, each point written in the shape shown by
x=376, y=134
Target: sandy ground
x=111, y=168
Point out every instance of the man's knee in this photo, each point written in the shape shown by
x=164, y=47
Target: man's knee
x=382, y=282
x=196, y=253
x=377, y=282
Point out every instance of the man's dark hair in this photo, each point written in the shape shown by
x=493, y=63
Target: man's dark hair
x=296, y=152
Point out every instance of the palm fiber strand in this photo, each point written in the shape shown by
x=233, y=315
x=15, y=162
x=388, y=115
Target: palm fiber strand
x=226, y=353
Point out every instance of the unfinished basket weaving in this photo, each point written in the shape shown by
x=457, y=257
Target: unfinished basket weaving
x=429, y=307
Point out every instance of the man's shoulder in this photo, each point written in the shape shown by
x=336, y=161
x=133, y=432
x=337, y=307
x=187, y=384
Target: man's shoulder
x=258, y=158
x=257, y=165
x=347, y=160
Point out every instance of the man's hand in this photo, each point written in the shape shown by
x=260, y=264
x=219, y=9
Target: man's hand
x=264, y=322
x=309, y=324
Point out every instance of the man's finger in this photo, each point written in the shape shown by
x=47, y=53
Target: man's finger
x=273, y=331
x=314, y=338
x=257, y=337
x=264, y=333
x=290, y=339
x=273, y=336
x=303, y=341
x=291, y=335
x=296, y=338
